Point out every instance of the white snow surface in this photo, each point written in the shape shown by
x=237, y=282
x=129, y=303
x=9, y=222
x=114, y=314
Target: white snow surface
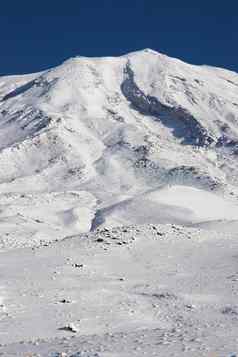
x=115, y=129
x=119, y=208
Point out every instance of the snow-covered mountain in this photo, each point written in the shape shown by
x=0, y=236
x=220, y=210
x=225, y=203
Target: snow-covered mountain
x=110, y=169
x=141, y=138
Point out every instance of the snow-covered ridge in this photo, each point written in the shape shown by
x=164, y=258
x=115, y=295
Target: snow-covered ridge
x=117, y=129
x=119, y=184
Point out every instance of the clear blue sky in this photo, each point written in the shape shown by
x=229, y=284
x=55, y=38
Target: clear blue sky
x=36, y=35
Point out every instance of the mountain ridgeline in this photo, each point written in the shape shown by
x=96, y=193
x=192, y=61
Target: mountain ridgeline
x=115, y=129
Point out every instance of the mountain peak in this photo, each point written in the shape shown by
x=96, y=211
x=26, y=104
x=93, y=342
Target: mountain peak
x=146, y=50
x=120, y=127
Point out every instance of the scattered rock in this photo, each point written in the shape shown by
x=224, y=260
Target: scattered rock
x=71, y=328
x=65, y=301
x=100, y=240
x=190, y=306
x=229, y=310
x=76, y=265
x=165, y=295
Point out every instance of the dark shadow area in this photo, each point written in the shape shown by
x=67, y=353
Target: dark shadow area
x=182, y=123
x=19, y=90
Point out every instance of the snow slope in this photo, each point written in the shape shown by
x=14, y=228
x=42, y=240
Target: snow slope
x=118, y=129
x=178, y=204
x=119, y=182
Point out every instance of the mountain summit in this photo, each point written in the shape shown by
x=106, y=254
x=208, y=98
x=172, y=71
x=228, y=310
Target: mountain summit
x=120, y=175
x=141, y=138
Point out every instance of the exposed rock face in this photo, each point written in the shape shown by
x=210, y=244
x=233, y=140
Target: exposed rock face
x=182, y=123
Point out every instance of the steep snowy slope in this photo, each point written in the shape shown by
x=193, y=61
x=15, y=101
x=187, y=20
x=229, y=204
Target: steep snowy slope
x=126, y=148
x=116, y=131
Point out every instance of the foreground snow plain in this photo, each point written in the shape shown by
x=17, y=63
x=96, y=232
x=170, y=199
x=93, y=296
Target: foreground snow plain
x=161, y=290
x=119, y=209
